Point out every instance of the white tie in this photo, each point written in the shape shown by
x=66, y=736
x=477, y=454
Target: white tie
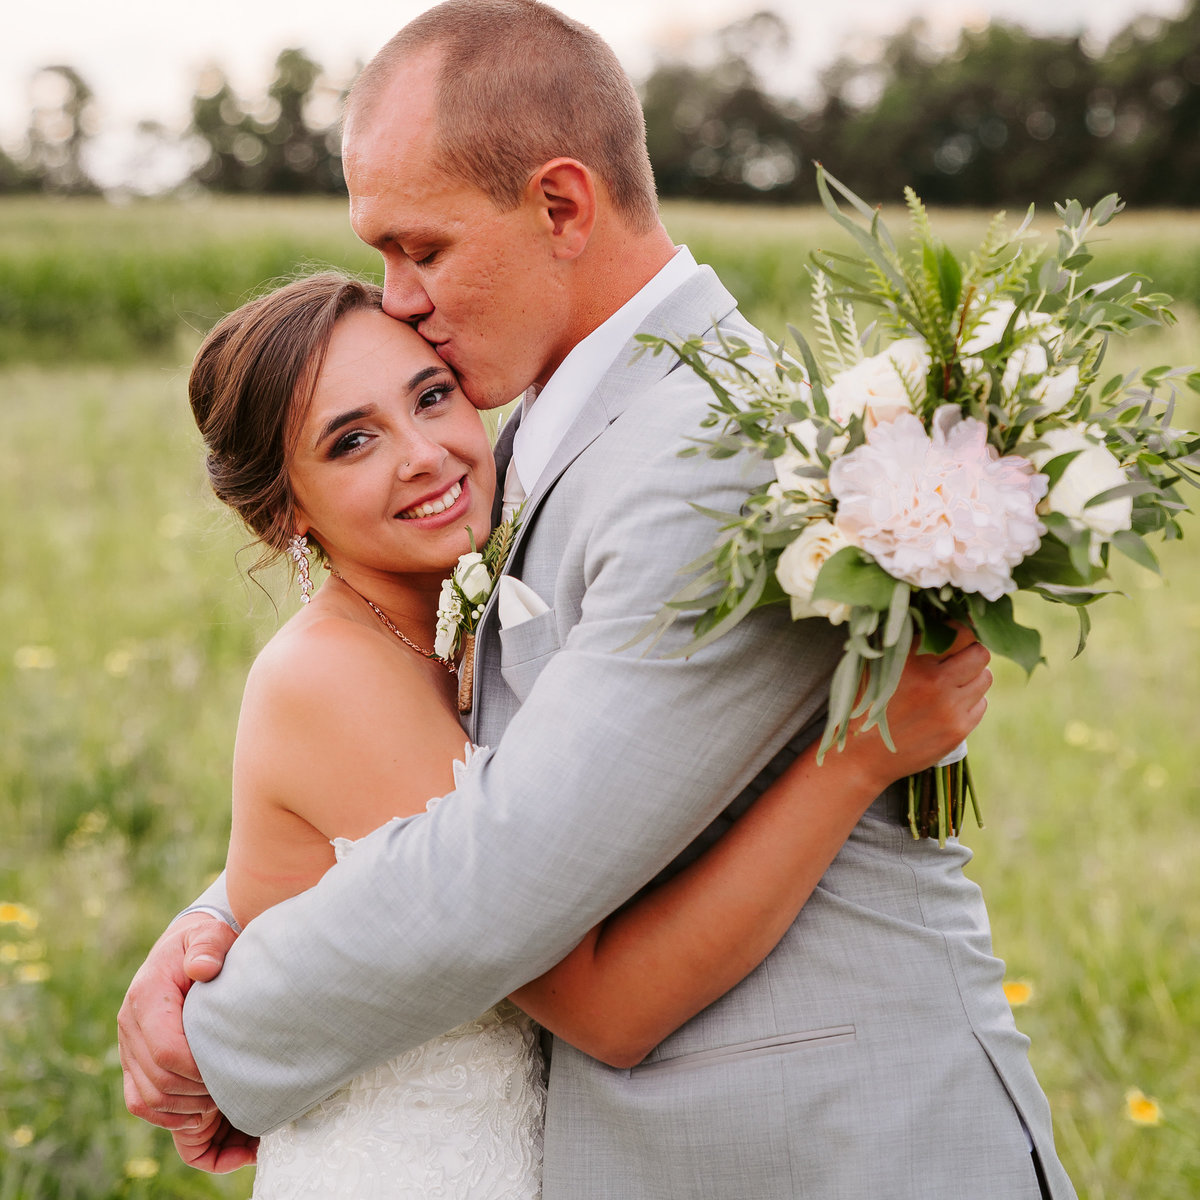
x=514, y=493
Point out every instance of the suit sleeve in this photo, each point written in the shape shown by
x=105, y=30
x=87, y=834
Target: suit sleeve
x=614, y=763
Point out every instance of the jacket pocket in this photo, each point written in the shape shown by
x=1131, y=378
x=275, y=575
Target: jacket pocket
x=525, y=649
x=784, y=1043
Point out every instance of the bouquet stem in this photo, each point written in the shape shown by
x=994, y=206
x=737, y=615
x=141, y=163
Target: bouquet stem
x=937, y=799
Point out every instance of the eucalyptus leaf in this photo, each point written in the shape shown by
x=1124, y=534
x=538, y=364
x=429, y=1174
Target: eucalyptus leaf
x=854, y=578
x=997, y=629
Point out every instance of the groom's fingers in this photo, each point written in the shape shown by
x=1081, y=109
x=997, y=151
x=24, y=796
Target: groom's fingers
x=204, y=950
x=162, y=1084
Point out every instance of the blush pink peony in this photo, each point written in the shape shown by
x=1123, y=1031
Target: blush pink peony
x=939, y=510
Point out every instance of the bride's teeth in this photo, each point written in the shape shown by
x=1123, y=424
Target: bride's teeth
x=432, y=507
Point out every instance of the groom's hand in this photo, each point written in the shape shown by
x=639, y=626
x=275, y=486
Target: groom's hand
x=162, y=1082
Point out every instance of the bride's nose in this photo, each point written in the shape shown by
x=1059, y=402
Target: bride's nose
x=420, y=456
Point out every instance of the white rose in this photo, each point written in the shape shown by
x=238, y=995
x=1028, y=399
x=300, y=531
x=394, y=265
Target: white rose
x=792, y=465
x=1092, y=471
x=1029, y=358
x=801, y=563
x=1057, y=391
x=875, y=388
x=472, y=576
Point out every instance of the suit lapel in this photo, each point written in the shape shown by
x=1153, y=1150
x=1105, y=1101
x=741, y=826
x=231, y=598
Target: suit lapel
x=693, y=309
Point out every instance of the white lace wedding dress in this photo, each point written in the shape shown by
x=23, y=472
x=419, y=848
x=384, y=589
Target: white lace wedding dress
x=458, y=1118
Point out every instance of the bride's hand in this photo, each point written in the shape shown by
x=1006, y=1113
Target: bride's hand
x=215, y=1146
x=939, y=701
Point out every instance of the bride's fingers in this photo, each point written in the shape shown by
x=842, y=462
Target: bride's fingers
x=959, y=668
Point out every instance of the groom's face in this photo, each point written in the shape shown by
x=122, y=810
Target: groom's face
x=478, y=283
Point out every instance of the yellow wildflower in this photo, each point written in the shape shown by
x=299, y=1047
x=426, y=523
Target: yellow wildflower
x=141, y=1168
x=34, y=972
x=9, y=952
x=1077, y=733
x=21, y=1136
x=1155, y=776
x=34, y=658
x=1018, y=992
x=17, y=914
x=1141, y=1109
x=118, y=662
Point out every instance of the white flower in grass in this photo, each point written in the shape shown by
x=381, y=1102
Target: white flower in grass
x=801, y=563
x=1092, y=471
x=939, y=510
x=877, y=389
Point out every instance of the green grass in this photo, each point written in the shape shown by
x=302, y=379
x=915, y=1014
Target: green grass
x=94, y=282
x=126, y=631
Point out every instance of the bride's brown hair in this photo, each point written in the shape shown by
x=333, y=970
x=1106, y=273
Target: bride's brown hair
x=251, y=385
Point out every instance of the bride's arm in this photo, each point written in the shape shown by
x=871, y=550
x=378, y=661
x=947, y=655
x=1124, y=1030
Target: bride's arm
x=643, y=972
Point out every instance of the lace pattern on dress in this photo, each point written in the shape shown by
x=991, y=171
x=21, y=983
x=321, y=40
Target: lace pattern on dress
x=458, y=1118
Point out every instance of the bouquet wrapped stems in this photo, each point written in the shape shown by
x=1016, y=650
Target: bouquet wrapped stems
x=937, y=799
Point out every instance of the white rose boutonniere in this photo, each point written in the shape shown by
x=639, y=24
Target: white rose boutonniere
x=465, y=595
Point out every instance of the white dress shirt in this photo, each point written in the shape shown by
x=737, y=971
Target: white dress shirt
x=544, y=423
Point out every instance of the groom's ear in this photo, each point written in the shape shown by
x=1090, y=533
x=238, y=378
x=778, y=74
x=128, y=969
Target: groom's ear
x=564, y=192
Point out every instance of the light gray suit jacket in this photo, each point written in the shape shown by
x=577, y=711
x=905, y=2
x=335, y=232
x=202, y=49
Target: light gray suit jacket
x=873, y=1053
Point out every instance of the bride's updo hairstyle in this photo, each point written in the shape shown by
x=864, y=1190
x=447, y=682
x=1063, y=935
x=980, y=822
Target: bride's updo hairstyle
x=250, y=388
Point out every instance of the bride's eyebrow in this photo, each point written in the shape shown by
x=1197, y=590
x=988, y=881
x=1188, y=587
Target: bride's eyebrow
x=342, y=419
x=426, y=373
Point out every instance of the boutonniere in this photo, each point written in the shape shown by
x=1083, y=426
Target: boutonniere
x=464, y=597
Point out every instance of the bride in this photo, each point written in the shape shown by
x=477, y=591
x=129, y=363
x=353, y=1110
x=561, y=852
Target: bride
x=334, y=428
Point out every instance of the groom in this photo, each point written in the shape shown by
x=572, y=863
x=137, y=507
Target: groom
x=496, y=158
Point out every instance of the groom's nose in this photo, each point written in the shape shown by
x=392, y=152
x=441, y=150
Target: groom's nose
x=403, y=295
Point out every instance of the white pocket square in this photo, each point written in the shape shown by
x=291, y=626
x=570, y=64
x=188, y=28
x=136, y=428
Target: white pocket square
x=518, y=602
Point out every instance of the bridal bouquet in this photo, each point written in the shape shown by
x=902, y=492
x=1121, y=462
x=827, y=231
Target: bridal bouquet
x=958, y=449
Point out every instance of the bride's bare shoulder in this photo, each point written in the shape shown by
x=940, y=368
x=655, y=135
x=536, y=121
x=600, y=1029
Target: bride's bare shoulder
x=331, y=659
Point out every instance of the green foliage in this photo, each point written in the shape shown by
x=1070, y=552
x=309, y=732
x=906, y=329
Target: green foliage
x=104, y=283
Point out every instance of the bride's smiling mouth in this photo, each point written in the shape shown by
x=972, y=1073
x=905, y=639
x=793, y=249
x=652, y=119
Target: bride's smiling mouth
x=435, y=504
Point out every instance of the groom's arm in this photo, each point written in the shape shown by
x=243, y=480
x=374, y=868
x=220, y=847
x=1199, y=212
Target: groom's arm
x=615, y=762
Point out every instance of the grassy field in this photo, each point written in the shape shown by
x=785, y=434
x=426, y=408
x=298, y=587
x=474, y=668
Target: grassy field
x=114, y=284
x=126, y=629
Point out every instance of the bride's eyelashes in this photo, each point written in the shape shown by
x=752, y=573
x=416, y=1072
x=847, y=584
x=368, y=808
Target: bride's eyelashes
x=431, y=397
x=353, y=440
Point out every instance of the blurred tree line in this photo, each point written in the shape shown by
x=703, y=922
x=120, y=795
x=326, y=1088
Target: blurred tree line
x=1003, y=117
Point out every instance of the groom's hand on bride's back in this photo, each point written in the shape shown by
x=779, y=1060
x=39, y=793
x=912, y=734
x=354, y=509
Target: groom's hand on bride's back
x=162, y=1083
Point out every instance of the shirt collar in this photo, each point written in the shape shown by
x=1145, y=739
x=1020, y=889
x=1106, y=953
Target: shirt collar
x=545, y=424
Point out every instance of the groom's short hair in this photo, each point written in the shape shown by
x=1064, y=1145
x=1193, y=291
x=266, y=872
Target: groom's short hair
x=519, y=84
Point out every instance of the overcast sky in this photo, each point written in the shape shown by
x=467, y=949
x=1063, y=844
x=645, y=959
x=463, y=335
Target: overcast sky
x=142, y=57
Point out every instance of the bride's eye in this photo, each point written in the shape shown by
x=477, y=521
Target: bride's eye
x=348, y=443
x=433, y=396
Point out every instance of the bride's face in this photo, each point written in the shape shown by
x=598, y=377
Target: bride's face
x=390, y=465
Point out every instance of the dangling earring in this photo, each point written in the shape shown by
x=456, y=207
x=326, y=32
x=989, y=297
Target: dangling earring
x=297, y=547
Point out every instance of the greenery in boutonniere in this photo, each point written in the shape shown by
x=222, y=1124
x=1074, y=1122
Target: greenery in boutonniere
x=465, y=594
